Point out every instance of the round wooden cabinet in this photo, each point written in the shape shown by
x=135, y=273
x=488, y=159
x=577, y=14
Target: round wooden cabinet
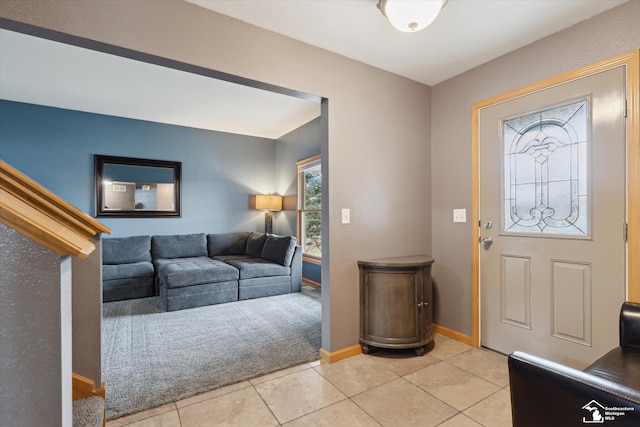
x=396, y=309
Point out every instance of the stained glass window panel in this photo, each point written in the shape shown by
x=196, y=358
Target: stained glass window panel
x=545, y=170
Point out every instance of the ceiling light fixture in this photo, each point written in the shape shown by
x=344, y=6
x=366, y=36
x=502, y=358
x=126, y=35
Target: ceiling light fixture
x=410, y=16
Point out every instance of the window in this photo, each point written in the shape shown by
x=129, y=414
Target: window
x=545, y=189
x=310, y=207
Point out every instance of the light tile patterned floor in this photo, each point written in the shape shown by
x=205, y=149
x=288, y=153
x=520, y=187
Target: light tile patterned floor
x=454, y=385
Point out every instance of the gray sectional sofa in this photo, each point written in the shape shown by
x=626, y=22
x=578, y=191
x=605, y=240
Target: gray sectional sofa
x=192, y=270
x=127, y=270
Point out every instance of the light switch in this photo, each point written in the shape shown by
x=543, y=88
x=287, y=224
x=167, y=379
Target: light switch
x=346, y=216
x=459, y=215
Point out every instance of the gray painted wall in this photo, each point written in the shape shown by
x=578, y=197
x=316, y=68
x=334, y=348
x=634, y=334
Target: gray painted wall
x=87, y=314
x=606, y=35
x=378, y=149
x=35, y=333
x=299, y=144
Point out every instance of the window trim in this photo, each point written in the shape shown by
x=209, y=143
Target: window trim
x=302, y=166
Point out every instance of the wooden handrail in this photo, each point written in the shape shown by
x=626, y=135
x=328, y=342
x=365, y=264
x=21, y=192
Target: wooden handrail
x=44, y=217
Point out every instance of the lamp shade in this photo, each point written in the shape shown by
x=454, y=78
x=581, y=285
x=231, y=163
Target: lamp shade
x=411, y=15
x=269, y=202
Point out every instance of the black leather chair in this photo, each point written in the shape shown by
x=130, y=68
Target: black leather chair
x=545, y=393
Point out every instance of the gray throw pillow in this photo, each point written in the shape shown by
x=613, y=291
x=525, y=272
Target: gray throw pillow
x=279, y=249
x=126, y=250
x=227, y=243
x=179, y=246
x=255, y=242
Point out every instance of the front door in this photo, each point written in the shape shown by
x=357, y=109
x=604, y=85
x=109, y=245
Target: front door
x=552, y=213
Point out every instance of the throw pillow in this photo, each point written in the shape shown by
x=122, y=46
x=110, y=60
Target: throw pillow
x=255, y=242
x=279, y=249
x=227, y=243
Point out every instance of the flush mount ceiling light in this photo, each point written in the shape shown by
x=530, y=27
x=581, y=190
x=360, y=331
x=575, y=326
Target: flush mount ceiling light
x=411, y=15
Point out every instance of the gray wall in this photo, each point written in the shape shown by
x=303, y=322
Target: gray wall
x=378, y=150
x=86, y=297
x=302, y=143
x=35, y=333
x=606, y=35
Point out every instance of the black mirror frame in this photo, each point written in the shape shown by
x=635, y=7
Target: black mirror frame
x=99, y=162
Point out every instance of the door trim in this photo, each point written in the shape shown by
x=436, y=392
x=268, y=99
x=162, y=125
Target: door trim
x=630, y=60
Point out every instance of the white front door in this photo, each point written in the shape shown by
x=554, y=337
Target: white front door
x=552, y=206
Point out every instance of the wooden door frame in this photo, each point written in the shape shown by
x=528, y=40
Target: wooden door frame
x=631, y=60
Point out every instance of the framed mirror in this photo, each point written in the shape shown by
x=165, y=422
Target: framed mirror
x=136, y=188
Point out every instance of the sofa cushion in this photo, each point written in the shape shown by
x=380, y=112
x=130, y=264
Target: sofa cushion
x=121, y=289
x=279, y=249
x=126, y=250
x=179, y=272
x=257, y=267
x=198, y=296
x=255, y=242
x=179, y=246
x=263, y=287
x=227, y=243
x=127, y=271
x=226, y=258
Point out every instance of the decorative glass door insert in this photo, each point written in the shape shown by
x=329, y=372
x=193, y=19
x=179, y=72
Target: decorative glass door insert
x=545, y=184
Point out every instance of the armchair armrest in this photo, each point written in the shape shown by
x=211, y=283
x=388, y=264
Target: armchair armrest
x=630, y=325
x=548, y=393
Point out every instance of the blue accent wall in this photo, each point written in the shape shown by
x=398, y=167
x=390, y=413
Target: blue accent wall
x=312, y=272
x=220, y=171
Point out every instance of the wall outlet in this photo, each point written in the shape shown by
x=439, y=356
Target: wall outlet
x=459, y=215
x=346, y=216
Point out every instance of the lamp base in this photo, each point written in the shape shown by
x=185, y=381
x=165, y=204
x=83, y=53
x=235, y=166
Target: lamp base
x=268, y=222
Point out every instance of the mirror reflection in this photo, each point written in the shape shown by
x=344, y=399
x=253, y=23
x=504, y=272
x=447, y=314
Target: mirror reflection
x=137, y=187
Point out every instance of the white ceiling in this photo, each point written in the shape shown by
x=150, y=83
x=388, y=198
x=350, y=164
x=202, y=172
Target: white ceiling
x=467, y=33
x=44, y=72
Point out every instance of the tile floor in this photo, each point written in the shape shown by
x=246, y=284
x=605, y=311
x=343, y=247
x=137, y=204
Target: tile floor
x=452, y=385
